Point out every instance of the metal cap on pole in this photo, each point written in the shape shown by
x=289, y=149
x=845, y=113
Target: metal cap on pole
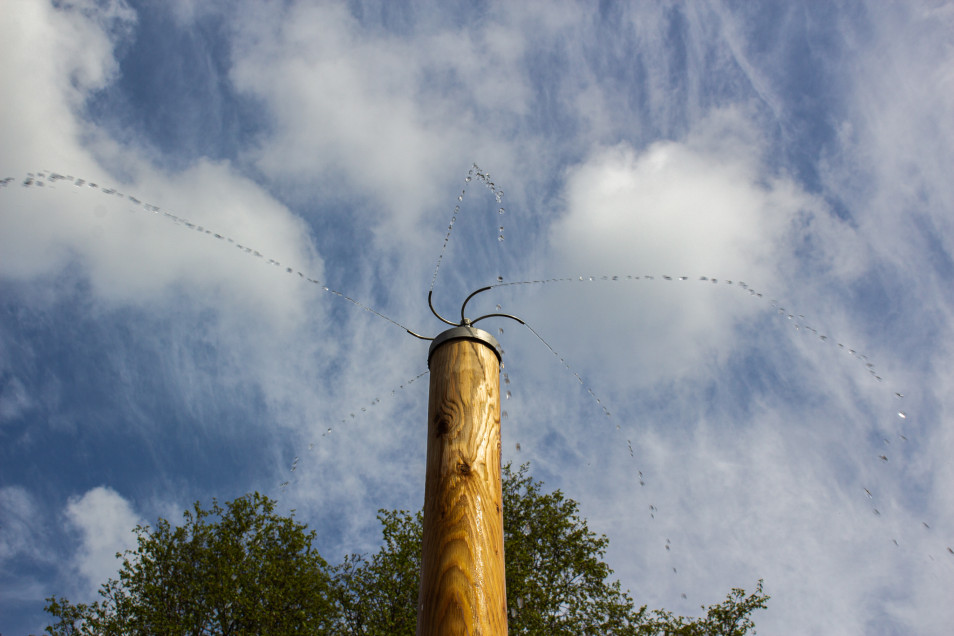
x=465, y=333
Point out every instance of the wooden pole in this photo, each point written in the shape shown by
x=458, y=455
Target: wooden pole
x=463, y=584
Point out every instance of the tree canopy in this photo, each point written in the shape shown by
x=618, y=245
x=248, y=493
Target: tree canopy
x=238, y=570
x=243, y=569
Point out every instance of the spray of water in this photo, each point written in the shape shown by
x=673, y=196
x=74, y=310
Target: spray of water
x=43, y=179
x=474, y=173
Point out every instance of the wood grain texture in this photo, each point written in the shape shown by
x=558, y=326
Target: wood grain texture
x=462, y=567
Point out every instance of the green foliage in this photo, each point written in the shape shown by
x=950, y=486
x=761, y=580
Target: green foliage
x=556, y=578
x=731, y=617
x=378, y=596
x=245, y=570
x=238, y=570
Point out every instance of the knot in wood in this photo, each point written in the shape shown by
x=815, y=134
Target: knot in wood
x=443, y=427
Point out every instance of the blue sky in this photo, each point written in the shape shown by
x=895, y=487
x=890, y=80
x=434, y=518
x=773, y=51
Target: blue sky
x=791, y=161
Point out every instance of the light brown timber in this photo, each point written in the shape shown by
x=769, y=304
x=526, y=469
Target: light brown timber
x=462, y=567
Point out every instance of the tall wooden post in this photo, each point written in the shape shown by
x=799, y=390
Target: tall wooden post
x=463, y=584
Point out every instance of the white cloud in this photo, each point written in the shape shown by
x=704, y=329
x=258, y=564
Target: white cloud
x=705, y=206
x=382, y=121
x=105, y=521
x=21, y=525
x=54, y=58
x=14, y=400
x=893, y=160
x=343, y=106
x=59, y=57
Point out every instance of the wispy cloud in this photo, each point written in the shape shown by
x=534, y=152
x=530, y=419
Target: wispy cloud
x=104, y=520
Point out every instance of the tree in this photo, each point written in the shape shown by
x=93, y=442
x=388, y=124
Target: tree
x=731, y=617
x=252, y=571
x=238, y=570
x=557, y=582
x=378, y=595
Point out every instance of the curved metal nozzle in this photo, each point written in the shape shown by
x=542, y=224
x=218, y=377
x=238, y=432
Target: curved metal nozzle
x=512, y=317
x=464, y=320
x=430, y=304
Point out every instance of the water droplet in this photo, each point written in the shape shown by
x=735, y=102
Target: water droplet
x=500, y=211
x=902, y=415
x=499, y=307
x=500, y=279
x=467, y=178
x=883, y=458
x=504, y=414
x=500, y=238
x=500, y=331
x=518, y=447
x=509, y=395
